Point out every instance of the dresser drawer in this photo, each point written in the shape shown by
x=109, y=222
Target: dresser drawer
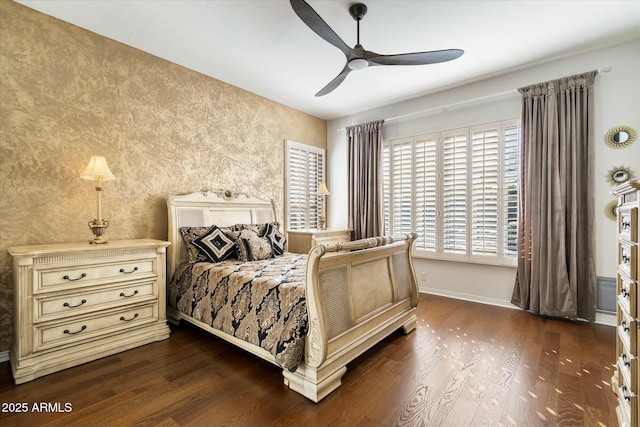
x=72, y=277
x=71, y=304
x=627, y=331
x=628, y=367
x=51, y=335
x=627, y=295
x=628, y=223
x=627, y=259
x=627, y=401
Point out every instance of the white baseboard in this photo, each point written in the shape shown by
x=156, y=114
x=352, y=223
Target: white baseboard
x=4, y=356
x=609, y=319
x=601, y=318
x=469, y=297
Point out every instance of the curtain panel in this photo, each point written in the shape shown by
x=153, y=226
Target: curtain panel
x=556, y=263
x=365, y=179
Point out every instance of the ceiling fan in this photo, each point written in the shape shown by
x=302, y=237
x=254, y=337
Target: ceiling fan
x=357, y=57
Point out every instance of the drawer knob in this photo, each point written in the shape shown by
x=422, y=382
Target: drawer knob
x=66, y=331
x=122, y=294
x=122, y=270
x=128, y=320
x=66, y=304
x=82, y=276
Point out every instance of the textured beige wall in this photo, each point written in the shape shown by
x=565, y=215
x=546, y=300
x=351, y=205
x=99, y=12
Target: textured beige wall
x=67, y=94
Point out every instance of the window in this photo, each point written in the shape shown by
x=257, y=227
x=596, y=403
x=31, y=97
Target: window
x=305, y=169
x=458, y=190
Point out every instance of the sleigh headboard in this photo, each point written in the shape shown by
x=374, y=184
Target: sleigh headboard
x=220, y=207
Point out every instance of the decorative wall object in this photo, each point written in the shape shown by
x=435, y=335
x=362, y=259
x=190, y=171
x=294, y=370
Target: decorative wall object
x=620, y=174
x=620, y=136
x=610, y=210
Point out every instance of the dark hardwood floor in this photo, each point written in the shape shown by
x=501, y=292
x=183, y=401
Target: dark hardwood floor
x=467, y=364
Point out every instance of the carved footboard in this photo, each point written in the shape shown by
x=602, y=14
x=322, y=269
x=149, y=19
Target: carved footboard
x=357, y=294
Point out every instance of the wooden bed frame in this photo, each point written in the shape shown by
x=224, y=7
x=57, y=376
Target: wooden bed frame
x=357, y=293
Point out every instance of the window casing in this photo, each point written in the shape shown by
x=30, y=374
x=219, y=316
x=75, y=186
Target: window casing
x=458, y=190
x=304, y=170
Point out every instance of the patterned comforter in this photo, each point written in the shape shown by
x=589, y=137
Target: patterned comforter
x=261, y=302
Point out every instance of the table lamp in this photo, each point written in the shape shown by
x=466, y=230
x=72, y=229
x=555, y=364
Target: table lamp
x=323, y=191
x=98, y=171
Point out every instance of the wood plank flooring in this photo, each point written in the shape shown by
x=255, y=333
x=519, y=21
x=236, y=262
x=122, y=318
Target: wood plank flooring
x=467, y=364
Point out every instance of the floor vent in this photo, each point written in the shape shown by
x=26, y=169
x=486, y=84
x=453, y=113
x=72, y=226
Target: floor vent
x=606, y=294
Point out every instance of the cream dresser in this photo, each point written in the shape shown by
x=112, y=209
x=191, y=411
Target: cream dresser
x=301, y=241
x=627, y=378
x=77, y=302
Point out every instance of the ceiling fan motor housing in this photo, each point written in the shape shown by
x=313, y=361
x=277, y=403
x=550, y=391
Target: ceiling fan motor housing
x=357, y=12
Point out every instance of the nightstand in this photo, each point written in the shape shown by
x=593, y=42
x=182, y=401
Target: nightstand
x=76, y=302
x=301, y=241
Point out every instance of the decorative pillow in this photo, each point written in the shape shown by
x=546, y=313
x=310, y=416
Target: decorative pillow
x=252, y=247
x=215, y=245
x=189, y=234
x=278, y=240
x=256, y=228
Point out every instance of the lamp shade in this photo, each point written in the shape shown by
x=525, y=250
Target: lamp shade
x=322, y=189
x=97, y=170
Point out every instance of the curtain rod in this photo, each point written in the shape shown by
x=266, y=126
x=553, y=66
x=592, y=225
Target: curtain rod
x=467, y=101
x=445, y=107
x=454, y=104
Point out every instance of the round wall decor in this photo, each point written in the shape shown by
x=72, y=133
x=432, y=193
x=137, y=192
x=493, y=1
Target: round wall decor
x=620, y=174
x=620, y=136
x=611, y=210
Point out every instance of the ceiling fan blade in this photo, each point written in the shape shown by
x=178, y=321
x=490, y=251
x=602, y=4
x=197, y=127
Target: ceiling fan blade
x=335, y=82
x=417, y=58
x=317, y=24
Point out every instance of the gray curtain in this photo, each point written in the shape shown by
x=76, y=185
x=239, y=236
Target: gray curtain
x=556, y=255
x=365, y=179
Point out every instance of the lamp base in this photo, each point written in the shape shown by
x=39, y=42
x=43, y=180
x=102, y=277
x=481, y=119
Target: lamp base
x=98, y=228
x=323, y=222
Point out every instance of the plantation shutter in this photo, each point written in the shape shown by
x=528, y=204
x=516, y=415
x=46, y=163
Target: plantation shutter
x=315, y=175
x=458, y=190
x=386, y=187
x=510, y=185
x=401, y=182
x=454, y=193
x=426, y=203
x=305, y=169
x=485, y=185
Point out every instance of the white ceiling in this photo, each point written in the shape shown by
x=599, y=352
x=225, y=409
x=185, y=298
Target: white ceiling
x=262, y=46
